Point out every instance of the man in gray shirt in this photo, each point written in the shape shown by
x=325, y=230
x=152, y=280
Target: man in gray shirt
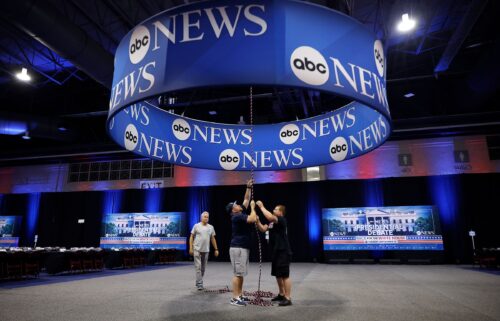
x=202, y=234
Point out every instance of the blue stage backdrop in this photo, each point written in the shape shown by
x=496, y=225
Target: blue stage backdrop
x=144, y=230
x=382, y=228
x=10, y=227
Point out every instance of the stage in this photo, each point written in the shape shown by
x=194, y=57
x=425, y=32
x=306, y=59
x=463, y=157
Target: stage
x=319, y=292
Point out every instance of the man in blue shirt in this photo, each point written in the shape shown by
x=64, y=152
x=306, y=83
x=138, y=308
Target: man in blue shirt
x=240, y=243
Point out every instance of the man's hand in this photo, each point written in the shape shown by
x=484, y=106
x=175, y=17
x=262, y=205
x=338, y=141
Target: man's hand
x=249, y=183
x=216, y=253
x=191, y=252
x=259, y=204
x=252, y=204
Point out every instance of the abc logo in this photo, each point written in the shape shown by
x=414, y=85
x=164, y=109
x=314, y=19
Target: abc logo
x=378, y=52
x=181, y=129
x=229, y=159
x=289, y=134
x=310, y=66
x=338, y=149
x=139, y=44
x=131, y=137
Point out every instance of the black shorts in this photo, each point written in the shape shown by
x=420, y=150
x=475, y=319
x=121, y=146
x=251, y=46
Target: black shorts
x=281, y=264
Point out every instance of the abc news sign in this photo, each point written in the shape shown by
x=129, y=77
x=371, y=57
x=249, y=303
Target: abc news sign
x=343, y=134
x=187, y=47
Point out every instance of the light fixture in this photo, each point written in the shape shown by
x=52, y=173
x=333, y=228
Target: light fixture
x=62, y=128
x=406, y=24
x=212, y=112
x=241, y=121
x=409, y=95
x=26, y=135
x=23, y=75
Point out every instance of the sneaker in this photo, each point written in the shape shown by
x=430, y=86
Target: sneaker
x=279, y=297
x=244, y=298
x=237, y=302
x=285, y=302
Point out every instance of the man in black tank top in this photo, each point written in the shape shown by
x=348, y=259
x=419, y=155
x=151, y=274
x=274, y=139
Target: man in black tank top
x=280, y=250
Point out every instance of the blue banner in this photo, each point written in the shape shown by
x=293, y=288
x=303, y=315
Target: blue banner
x=382, y=228
x=242, y=43
x=144, y=230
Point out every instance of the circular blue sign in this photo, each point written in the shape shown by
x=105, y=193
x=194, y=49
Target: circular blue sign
x=246, y=43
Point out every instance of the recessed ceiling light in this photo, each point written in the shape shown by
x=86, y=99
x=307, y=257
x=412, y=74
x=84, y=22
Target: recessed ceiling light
x=23, y=75
x=406, y=24
x=409, y=95
x=26, y=135
x=212, y=112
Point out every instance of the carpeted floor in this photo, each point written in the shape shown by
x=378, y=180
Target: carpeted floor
x=320, y=292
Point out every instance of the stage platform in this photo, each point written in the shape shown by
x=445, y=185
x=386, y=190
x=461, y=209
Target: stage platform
x=320, y=292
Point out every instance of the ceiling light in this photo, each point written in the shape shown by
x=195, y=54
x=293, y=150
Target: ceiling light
x=406, y=24
x=62, y=128
x=212, y=112
x=26, y=135
x=409, y=95
x=23, y=75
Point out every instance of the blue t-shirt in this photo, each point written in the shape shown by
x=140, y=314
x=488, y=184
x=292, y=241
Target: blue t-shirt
x=241, y=231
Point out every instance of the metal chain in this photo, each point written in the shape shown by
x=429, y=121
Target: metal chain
x=258, y=295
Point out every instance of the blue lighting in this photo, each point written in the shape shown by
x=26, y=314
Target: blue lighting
x=374, y=192
x=154, y=198
x=32, y=217
x=112, y=201
x=444, y=191
x=198, y=203
x=313, y=218
x=12, y=127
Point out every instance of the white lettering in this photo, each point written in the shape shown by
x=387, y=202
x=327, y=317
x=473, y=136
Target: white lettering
x=185, y=32
x=257, y=20
x=225, y=21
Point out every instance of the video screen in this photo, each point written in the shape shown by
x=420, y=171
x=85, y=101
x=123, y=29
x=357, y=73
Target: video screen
x=144, y=230
x=10, y=227
x=382, y=228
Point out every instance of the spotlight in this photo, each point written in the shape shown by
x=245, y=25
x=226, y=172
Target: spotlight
x=23, y=75
x=409, y=95
x=26, y=135
x=406, y=24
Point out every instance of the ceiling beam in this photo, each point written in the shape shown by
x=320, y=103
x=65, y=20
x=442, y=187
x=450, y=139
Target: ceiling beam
x=461, y=32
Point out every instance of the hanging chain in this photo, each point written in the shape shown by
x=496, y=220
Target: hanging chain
x=258, y=295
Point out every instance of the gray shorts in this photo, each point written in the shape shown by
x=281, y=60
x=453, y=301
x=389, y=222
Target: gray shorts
x=239, y=260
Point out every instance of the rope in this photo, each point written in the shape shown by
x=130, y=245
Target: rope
x=258, y=295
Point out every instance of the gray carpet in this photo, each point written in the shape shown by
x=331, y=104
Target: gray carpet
x=320, y=292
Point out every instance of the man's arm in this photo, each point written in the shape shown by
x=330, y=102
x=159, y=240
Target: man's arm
x=262, y=227
x=191, y=244
x=252, y=218
x=269, y=216
x=214, y=244
x=246, y=198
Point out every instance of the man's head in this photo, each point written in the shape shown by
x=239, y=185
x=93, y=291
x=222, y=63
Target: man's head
x=233, y=207
x=204, y=217
x=279, y=210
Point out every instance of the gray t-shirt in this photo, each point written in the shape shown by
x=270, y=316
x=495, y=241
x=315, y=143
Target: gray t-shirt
x=202, y=234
